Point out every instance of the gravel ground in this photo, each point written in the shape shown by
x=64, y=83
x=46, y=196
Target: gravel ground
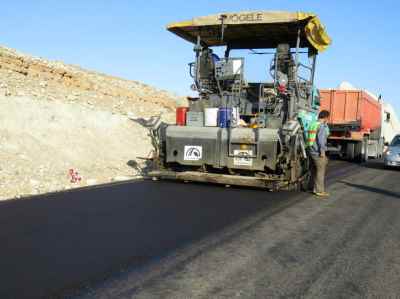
x=55, y=117
x=41, y=141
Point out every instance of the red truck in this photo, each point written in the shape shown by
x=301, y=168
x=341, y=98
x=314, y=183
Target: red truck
x=355, y=124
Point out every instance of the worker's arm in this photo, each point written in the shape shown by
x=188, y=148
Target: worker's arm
x=322, y=140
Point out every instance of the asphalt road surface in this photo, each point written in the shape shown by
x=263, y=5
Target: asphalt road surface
x=173, y=240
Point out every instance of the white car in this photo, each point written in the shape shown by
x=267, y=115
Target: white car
x=392, y=153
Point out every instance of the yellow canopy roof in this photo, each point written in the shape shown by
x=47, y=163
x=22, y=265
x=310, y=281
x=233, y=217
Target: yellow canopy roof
x=255, y=30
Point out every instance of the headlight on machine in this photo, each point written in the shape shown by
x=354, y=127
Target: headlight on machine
x=388, y=153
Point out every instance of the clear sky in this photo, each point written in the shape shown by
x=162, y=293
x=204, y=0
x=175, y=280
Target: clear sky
x=127, y=38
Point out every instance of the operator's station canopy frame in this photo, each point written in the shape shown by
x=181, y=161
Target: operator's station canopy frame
x=255, y=30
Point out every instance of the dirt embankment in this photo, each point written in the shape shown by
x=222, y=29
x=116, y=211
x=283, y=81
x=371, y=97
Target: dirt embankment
x=56, y=117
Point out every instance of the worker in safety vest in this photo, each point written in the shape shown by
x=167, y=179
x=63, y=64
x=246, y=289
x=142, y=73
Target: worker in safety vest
x=317, y=146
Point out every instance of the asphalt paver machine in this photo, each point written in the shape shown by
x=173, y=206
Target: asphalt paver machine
x=259, y=136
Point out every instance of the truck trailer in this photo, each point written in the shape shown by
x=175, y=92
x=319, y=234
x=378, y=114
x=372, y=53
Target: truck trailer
x=355, y=123
x=238, y=132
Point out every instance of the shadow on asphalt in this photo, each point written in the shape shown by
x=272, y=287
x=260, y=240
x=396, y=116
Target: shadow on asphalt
x=379, y=165
x=57, y=241
x=373, y=189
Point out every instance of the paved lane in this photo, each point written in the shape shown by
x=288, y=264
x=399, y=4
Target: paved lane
x=346, y=247
x=56, y=244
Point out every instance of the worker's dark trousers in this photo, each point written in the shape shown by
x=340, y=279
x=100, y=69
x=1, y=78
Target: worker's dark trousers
x=318, y=171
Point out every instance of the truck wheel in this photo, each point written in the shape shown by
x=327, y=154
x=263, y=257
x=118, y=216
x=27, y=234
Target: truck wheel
x=350, y=151
x=365, y=152
x=358, y=152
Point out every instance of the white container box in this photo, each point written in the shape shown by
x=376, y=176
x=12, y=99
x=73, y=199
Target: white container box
x=211, y=117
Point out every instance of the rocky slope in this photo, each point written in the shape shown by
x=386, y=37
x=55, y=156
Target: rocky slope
x=23, y=75
x=56, y=117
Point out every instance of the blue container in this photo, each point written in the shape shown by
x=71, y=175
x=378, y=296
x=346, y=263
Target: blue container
x=224, y=117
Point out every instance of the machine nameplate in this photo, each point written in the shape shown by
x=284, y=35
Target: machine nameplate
x=245, y=17
x=243, y=158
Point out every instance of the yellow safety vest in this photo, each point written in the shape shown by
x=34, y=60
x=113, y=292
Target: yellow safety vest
x=312, y=133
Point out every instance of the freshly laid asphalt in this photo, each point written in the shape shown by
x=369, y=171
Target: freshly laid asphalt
x=172, y=240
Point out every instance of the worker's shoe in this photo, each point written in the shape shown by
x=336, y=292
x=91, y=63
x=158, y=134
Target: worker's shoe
x=321, y=194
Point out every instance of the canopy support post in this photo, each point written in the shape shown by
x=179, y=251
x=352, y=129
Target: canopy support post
x=227, y=51
x=197, y=49
x=222, y=18
x=314, y=63
x=293, y=101
x=276, y=69
x=297, y=48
